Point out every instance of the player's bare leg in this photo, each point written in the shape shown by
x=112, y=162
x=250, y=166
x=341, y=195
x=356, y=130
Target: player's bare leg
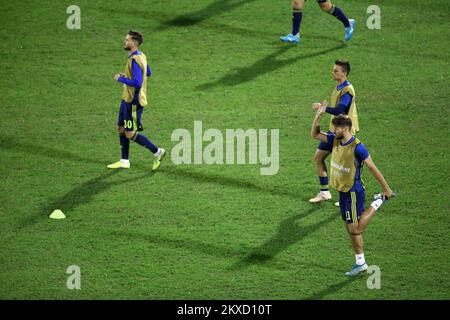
x=326, y=6
x=369, y=213
x=365, y=219
x=319, y=158
x=356, y=230
x=356, y=238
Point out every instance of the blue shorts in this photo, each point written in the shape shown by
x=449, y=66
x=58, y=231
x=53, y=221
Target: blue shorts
x=130, y=116
x=325, y=146
x=352, y=204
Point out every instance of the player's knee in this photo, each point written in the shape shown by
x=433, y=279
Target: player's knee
x=298, y=4
x=129, y=134
x=353, y=230
x=326, y=6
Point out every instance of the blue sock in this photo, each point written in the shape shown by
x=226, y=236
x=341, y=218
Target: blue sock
x=296, y=21
x=145, y=142
x=335, y=11
x=125, y=145
x=323, y=183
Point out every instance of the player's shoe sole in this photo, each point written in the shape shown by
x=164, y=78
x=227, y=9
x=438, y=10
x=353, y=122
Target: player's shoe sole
x=118, y=165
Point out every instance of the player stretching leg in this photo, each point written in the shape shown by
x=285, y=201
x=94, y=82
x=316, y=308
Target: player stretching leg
x=326, y=6
x=134, y=99
x=347, y=159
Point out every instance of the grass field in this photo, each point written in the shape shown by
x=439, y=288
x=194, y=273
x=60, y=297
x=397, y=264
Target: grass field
x=218, y=231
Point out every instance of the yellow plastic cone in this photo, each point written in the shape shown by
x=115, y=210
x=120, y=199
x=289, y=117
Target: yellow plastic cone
x=57, y=214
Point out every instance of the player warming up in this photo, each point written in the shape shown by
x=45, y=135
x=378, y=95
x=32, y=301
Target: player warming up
x=342, y=102
x=347, y=159
x=326, y=6
x=134, y=99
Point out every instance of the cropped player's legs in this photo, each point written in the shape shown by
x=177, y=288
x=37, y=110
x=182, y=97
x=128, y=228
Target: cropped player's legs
x=124, y=146
x=297, y=14
x=357, y=241
x=328, y=7
x=356, y=237
x=369, y=213
x=129, y=118
x=131, y=132
x=352, y=209
x=319, y=158
x=123, y=140
x=142, y=140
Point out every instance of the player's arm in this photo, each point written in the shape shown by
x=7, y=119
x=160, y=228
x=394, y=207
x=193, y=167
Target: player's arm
x=315, y=129
x=136, y=81
x=378, y=176
x=343, y=105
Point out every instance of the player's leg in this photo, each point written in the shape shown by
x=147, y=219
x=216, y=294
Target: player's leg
x=352, y=207
x=322, y=151
x=297, y=14
x=369, y=213
x=132, y=119
x=356, y=238
x=124, y=142
x=335, y=11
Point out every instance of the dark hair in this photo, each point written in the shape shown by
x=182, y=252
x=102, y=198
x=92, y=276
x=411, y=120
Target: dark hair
x=136, y=36
x=344, y=64
x=342, y=121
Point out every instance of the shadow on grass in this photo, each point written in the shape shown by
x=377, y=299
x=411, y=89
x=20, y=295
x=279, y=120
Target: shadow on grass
x=209, y=249
x=229, y=182
x=289, y=232
x=265, y=65
x=45, y=151
x=80, y=195
x=216, y=8
x=332, y=288
x=197, y=18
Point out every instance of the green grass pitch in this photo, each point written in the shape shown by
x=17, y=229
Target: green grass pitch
x=218, y=231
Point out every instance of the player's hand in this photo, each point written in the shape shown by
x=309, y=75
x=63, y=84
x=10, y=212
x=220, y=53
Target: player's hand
x=323, y=108
x=117, y=76
x=320, y=111
x=316, y=105
x=324, y=103
x=388, y=193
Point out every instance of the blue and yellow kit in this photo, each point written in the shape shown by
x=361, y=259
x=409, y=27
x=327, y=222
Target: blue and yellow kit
x=134, y=93
x=345, y=174
x=342, y=102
